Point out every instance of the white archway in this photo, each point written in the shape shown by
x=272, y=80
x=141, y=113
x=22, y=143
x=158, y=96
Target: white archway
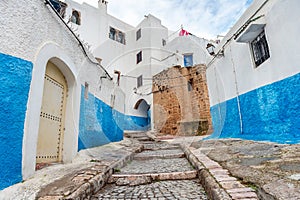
x=50, y=52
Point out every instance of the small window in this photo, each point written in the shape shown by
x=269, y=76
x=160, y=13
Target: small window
x=190, y=85
x=188, y=60
x=139, y=57
x=60, y=7
x=75, y=18
x=112, y=33
x=140, y=81
x=138, y=34
x=260, y=49
x=164, y=42
x=116, y=35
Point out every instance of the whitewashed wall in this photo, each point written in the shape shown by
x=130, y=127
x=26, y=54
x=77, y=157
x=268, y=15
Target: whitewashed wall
x=32, y=31
x=282, y=32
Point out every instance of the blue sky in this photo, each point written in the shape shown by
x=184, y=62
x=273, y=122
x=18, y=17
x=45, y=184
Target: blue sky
x=204, y=18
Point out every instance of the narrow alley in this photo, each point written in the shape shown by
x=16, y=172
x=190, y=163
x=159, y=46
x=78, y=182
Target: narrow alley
x=160, y=171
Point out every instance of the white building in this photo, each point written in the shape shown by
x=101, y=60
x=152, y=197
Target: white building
x=254, y=78
x=137, y=53
x=55, y=98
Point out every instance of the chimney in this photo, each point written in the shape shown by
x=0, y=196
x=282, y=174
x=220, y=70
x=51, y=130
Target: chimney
x=102, y=5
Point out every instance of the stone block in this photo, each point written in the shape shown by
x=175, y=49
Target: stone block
x=243, y=195
x=231, y=184
x=238, y=190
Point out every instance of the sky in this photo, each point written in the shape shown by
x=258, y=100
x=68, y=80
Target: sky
x=203, y=18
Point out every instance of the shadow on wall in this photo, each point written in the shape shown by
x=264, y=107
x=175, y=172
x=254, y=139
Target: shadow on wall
x=100, y=124
x=269, y=113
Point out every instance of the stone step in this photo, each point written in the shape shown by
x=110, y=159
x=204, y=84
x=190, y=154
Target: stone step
x=143, y=139
x=162, y=156
x=159, y=165
x=160, y=148
x=154, y=146
x=139, y=179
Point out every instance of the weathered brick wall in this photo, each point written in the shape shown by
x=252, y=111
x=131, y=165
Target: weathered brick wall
x=181, y=103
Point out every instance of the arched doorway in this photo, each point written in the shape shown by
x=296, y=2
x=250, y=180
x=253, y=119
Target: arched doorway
x=143, y=110
x=52, y=116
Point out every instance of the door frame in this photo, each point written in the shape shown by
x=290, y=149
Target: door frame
x=50, y=52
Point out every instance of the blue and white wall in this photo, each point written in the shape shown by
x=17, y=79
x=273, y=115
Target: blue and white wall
x=260, y=103
x=32, y=35
x=15, y=76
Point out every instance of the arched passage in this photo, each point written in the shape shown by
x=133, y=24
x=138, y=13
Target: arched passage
x=143, y=109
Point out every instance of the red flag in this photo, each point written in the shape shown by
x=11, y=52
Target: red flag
x=183, y=32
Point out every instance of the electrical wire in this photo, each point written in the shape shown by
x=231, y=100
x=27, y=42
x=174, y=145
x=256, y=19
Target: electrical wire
x=128, y=76
x=238, y=32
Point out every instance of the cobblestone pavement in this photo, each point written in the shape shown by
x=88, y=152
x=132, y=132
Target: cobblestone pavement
x=161, y=152
x=169, y=153
x=273, y=170
x=157, y=166
x=184, y=189
x=159, y=145
x=157, y=158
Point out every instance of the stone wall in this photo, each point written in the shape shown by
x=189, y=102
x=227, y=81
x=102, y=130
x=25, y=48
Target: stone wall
x=181, y=103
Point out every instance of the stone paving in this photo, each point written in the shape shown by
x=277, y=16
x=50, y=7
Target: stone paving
x=226, y=169
x=139, y=178
x=271, y=170
x=157, y=165
x=159, y=146
x=161, y=152
x=169, y=153
x=183, y=189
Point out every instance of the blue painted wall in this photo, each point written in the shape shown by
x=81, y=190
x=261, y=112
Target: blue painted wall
x=15, y=78
x=270, y=113
x=100, y=124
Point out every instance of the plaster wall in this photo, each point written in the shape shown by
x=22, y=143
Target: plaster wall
x=245, y=98
x=123, y=57
x=283, y=60
x=32, y=35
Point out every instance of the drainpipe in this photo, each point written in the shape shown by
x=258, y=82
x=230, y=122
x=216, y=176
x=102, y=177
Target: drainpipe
x=237, y=91
x=119, y=74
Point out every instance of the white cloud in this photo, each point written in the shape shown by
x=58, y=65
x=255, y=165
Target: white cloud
x=204, y=18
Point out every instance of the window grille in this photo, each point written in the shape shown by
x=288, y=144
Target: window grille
x=260, y=49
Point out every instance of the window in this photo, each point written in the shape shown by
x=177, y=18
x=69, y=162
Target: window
x=112, y=33
x=140, y=81
x=188, y=60
x=116, y=35
x=60, y=7
x=190, y=85
x=138, y=34
x=164, y=42
x=139, y=57
x=260, y=49
x=75, y=18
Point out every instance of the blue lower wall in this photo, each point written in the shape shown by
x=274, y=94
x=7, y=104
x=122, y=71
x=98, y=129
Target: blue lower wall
x=15, y=78
x=270, y=113
x=100, y=124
